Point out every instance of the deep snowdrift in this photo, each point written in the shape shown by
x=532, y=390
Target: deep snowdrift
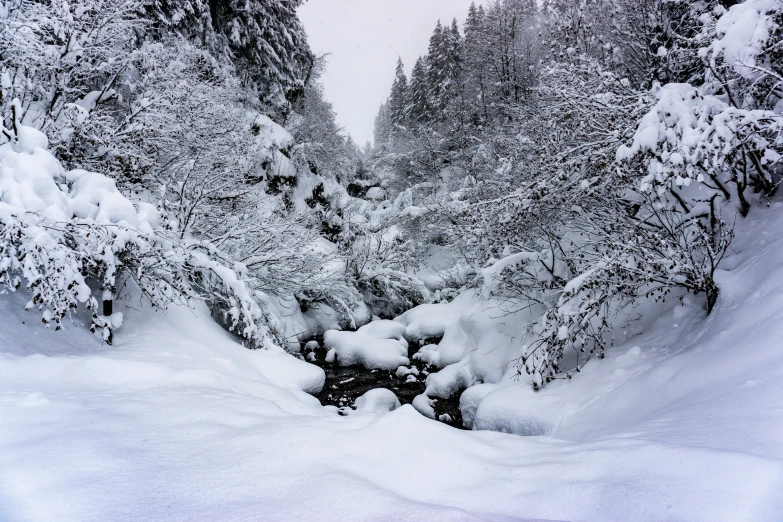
x=178, y=422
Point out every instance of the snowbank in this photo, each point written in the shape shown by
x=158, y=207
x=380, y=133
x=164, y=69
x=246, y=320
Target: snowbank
x=178, y=421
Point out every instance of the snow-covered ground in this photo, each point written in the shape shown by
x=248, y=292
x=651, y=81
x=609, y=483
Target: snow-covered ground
x=178, y=422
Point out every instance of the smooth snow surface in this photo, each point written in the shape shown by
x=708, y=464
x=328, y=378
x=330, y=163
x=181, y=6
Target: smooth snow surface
x=178, y=422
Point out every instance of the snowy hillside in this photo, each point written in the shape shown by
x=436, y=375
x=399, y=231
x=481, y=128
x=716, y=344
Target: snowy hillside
x=178, y=422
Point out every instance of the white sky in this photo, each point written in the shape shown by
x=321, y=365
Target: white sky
x=365, y=37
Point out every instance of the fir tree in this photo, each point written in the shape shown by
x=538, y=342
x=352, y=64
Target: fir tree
x=264, y=38
x=398, y=101
x=452, y=85
x=382, y=131
x=474, y=63
x=418, y=110
x=437, y=59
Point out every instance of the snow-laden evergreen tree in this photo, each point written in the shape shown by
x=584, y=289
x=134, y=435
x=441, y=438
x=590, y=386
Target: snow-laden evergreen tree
x=475, y=86
x=419, y=107
x=437, y=70
x=264, y=39
x=398, y=100
x=383, y=127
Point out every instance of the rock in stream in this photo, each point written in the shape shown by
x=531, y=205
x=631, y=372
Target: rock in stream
x=344, y=384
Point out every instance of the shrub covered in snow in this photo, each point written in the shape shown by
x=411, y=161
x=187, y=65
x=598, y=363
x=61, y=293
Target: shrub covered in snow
x=66, y=234
x=603, y=187
x=140, y=94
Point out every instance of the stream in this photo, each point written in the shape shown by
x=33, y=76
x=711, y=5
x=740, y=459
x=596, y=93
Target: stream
x=344, y=384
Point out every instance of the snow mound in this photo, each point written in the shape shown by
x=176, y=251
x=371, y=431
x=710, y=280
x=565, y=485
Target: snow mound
x=353, y=348
x=428, y=320
x=376, y=402
x=383, y=329
x=30, y=139
x=510, y=412
x=424, y=405
x=450, y=380
x=376, y=194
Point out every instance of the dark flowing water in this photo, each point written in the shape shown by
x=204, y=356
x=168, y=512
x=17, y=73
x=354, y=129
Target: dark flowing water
x=344, y=384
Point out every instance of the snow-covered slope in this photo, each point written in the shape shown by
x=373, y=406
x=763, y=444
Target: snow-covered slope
x=178, y=422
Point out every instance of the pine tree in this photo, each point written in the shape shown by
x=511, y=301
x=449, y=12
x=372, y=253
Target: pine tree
x=453, y=77
x=418, y=109
x=474, y=63
x=398, y=101
x=437, y=64
x=444, y=68
x=264, y=38
x=382, y=131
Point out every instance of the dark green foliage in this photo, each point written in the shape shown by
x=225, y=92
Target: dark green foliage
x=277, y=184
x=398, y=101
x=264, y=38
x=318, y=198
x=419, y=101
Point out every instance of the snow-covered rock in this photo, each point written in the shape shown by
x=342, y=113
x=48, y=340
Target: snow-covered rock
x=377, y=402
x=376, y=345
x=352, y=348
x=424, y=405
x=376, y=194
x=383, y=329
x=428, y=320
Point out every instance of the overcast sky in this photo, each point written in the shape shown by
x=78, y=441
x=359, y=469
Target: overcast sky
x=365, y=37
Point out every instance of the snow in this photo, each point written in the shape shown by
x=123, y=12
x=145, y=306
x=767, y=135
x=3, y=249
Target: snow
x=404, y=371
x=95, y=197
x=424, y=405
x=383, y=329
x=353, y=348
x=30, y=139
x=428, y=320
x=376, y=194
x=376, y=345
x=178, y=421
x=376, y=402
x=32, y=180
x=476, y=333
x=449, y=380
x=743, y=31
